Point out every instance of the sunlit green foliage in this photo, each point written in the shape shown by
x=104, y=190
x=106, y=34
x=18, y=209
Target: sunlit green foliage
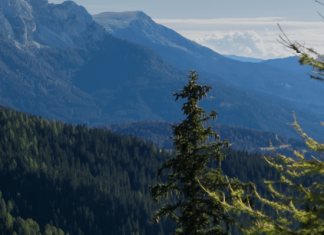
x=310, y=199
x=10, y=225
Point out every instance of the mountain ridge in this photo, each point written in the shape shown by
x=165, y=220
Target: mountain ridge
x=244, y=59
x=116, y=80
x=38, y=23
x=277, y=81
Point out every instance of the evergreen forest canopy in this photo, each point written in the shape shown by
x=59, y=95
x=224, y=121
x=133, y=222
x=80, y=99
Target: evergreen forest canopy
x=89, y=181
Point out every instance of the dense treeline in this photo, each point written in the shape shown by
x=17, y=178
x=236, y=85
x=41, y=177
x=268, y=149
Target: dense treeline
x=10, y=225
x=91, y=181
x=85, y=181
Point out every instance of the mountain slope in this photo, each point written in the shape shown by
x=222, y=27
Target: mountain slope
x=84, y=181
x=90, y=181
x=278, y=82
x=36, y=23
x=107, y=79
x=140, y=28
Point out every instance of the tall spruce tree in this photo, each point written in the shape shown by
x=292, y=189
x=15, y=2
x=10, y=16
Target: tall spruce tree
x=194, y=211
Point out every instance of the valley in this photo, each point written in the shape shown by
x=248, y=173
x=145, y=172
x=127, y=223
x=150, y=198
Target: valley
x=86, y=108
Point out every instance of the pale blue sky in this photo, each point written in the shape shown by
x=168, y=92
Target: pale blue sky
x=301, y=10
x=241, y=27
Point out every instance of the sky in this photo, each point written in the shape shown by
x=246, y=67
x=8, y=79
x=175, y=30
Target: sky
x=233, y=27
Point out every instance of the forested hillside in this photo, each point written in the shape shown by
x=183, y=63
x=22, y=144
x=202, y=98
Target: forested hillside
x=85, y=181
x=10, y=225
x=91, y=181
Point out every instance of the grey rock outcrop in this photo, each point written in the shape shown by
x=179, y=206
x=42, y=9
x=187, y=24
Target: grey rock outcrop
x=16, y=20
x=37, y=22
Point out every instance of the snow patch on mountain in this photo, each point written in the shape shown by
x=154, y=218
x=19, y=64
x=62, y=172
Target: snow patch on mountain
x=39, y=23
x=136, y=26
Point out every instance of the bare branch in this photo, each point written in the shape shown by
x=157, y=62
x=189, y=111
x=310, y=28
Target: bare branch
x=321, y=15
x=319, y=2
x=295, y=46
x=304, y=56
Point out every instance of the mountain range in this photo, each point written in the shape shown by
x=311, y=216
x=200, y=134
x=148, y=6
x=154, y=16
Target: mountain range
x=184, y=54
x=58, y=61
x=62, y=177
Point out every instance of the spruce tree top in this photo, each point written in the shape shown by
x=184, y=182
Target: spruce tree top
x=194, y=212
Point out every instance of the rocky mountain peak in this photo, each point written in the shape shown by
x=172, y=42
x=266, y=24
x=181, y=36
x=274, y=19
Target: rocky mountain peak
x=138, y=27
x=119, y=20
x=16, y=20
x=30, y=22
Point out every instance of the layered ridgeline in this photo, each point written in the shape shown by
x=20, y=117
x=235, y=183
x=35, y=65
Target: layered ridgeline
x=283, y=79
x=240, y=138
x=89, y=181
x=57, y=62
x=244, y=59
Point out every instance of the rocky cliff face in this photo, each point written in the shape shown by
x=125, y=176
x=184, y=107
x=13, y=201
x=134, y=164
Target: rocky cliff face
x=37, y=22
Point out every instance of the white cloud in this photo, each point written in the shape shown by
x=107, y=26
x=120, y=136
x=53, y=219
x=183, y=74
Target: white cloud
x=248, y=44
x=227, y=21
x=236, y=23
x=249, y=37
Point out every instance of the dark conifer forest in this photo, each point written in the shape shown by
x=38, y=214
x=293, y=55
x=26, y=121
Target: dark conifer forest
x=56, y=178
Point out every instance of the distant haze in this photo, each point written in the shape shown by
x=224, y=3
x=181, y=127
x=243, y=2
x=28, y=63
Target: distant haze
x=233, y=27
x=60, y=62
